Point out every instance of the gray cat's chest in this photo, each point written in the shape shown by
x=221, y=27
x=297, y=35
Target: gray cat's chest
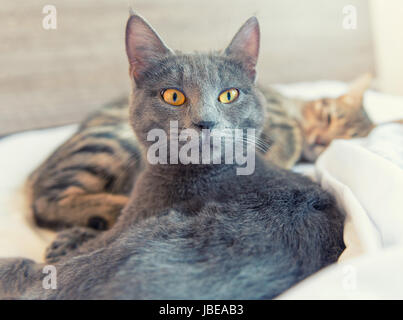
x=190, y=193
x=267, y=189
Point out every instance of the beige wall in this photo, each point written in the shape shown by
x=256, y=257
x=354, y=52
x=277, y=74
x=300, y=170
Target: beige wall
x=57, y=76
x=387, y=26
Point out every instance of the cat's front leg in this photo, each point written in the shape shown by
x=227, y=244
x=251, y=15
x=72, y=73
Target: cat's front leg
x=67, y=242
x=16, y=276
x=94, y=210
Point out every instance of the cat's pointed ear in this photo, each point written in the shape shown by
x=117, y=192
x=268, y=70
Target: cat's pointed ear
x=245, y=46
x=143, y=45
x=355, y=93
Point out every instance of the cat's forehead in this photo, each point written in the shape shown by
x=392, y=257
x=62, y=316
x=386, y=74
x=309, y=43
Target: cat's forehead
x=329, y=104
x=196, y=70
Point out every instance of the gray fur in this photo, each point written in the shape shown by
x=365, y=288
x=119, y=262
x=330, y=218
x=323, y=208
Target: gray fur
x=196, y=231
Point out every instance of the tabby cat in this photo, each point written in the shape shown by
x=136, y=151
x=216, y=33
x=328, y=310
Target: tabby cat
x=195, y=231
x=87, y=180
x=301, y=130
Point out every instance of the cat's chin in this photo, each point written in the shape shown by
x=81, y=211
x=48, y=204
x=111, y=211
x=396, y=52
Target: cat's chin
x=214, y=157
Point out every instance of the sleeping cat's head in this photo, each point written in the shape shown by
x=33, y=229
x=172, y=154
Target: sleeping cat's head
x=200, y=91
x=326, y=119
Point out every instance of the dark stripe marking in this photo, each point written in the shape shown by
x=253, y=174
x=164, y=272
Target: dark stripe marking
x=103, y=173
x=94, y=148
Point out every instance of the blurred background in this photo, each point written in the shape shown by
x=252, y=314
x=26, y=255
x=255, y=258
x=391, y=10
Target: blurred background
x=50, y=77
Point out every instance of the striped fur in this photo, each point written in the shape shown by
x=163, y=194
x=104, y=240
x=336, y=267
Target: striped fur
x=86, y=181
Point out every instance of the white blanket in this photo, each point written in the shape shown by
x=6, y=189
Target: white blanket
x=365, y=175
x=20, y=154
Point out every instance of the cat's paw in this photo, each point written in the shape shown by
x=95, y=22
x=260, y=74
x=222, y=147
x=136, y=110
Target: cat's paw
x=68, y=241
x=16, y=275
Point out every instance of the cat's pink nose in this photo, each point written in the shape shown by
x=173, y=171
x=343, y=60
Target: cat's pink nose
x=320, y=141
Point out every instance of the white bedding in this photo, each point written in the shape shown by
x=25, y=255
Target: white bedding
x=20, y=154
x=367, y=178
x=365, y=175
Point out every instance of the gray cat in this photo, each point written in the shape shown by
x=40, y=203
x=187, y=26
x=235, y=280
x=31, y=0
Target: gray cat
x=194, y=231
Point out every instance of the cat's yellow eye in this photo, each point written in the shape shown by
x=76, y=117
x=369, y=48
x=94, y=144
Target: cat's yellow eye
x=173, y=97
x=228, y=96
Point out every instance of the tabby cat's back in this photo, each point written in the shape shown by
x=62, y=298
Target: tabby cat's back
x=86, y=181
